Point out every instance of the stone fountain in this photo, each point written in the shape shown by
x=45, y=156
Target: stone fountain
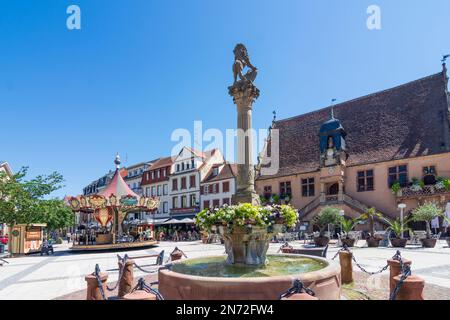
x=246, y=272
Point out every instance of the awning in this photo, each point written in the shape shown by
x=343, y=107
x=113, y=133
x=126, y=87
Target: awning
x=181, y=221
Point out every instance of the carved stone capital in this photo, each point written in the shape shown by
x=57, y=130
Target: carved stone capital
x=244, y=93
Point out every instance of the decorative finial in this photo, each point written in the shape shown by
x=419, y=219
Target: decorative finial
x=332, y=108
x=274, y=116
x=444, y=58
x=117, y=161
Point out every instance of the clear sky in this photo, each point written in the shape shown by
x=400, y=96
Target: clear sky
x=138, y=69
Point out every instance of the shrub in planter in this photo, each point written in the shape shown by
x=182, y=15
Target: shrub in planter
x=370, y=215
x=398, y=228
x=327, y=216
x=426, y=213
x=347, y=226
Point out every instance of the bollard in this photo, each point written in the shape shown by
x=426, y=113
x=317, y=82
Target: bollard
x=411, y=289
x=345, y=259
x=395, y=270
x=126, y=281
x=176, y=254
x=139, y=295
x=93, y=290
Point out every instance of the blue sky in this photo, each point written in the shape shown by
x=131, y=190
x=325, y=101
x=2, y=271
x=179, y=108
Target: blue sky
x=138, y=69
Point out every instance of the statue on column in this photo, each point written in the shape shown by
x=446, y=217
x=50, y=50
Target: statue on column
x=244, y=93
x=242, y=60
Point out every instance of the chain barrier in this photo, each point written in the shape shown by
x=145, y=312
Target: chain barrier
x=286, y=245
x=180, y=251
x=159, y=262
x=99, y=281
x=148, y=288
x=406, y=272
x=297, y=287
x=397, y=256
x=121, y=271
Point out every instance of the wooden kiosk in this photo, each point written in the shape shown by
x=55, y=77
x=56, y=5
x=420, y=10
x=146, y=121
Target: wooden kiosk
x=26, y=238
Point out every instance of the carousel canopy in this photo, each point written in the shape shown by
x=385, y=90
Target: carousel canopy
x=117, y=194
x=117, y=187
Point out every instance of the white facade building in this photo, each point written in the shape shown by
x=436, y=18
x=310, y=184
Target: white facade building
x=189, y=168
x=218, y=186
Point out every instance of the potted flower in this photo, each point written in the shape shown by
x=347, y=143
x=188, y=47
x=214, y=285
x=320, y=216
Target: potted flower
x=398, y=228
x=442, y=183
x=348, y=225
x=417, y=185
x=370, y=215
x=396, y=189
x=426, y=213
x=247, y=229
x=327, y=216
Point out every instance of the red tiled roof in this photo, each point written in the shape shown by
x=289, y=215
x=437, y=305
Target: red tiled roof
x=407, y=121
x=228, y=171
x=161, y=163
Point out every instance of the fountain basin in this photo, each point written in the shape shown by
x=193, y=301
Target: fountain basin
x=212, y=279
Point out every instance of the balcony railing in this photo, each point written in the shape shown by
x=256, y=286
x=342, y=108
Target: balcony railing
x=426, y=191
x=185, y=210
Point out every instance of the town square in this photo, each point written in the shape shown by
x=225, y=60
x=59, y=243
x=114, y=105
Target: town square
x=195, y=153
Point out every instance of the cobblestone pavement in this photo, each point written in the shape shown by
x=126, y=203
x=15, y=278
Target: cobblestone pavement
x=62, y=275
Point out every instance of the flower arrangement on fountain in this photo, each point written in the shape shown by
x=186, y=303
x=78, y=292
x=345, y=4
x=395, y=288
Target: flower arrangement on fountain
x=247, y=229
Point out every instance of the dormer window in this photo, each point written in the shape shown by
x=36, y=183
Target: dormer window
x=182, y=166
x=215, y=171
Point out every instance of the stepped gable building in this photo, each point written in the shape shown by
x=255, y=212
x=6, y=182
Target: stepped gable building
x=350, y=155
x=218, y=186
x=155, y=183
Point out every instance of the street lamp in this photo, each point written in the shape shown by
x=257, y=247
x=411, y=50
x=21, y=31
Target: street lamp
x=342, y=214
x=402, y=207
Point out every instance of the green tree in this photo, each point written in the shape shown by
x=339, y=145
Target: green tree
x=24, y=201
x=328, y=215
x=370, y=215
x=427, y=212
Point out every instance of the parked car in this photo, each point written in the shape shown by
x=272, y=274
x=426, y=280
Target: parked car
x=4, y=240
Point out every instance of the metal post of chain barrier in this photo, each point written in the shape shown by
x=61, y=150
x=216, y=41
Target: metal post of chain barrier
x=345, y=259
x=298, y=292
x=395, y=268
x=96, y=285
x=126, y=277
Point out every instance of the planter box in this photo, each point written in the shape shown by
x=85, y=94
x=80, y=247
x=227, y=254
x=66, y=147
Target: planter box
x=398, y=243
x=321, y=241
x=348, y=242
x=428, y=243
x=373, y=242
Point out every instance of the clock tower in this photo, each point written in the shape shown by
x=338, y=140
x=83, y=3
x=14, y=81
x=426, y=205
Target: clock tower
x=333, y=156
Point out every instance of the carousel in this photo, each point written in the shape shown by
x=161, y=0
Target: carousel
x=102, y=223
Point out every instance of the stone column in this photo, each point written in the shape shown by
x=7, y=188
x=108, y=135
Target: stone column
x=244, y=94
x=411, y=289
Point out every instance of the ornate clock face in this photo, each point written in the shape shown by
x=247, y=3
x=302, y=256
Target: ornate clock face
x=331, y=170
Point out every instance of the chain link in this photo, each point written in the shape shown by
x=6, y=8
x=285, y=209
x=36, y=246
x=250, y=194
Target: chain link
x=99, y=281
x=297, y=287
x=148, y=288
x=346, y=249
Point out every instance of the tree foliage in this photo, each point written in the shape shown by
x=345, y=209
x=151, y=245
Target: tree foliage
x=24, y=201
